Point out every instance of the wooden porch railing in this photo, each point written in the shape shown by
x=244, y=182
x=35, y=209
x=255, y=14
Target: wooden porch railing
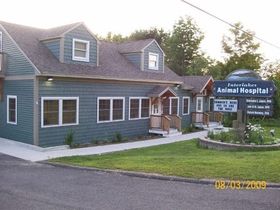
x=216, y=117
x=200, y=117
x=175, y=121
x=165, y=122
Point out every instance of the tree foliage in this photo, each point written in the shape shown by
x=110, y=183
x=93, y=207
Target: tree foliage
x=153, y=33
x=240, y=48
x=182, y=47
x=271, y=71
x=118, y=38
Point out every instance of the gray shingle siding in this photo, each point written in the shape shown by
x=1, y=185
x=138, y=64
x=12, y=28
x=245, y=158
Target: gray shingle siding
x=134, y=58
x=88, y=128
x=23, y=131
x=17, y=64
x=54, y=47
x=186, y=119
x=80, y=33
x=153, y=48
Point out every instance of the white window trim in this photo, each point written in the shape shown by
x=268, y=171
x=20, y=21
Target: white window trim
x=1, y=41
x=111, y=109
x=60, y=111
x=197, y=98
x=8, y=113
x=157, y=56
x=77, y=58
x=211, y=97
x=139, y=108
x=170, y=103
x=183, y=104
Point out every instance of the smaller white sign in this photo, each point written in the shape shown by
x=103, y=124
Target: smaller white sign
x=225, y=105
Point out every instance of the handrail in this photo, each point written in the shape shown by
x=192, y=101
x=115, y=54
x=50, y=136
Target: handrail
x=216, y=116
x=165, y=122
x=176, y=121
x=202, y=118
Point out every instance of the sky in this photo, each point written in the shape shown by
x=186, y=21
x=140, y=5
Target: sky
x=126, y=16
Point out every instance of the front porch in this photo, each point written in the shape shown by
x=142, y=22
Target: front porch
x=165, y=125
x=207, y=120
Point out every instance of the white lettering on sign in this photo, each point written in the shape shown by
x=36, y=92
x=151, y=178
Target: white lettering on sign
x=242, y=90
x=223, y=105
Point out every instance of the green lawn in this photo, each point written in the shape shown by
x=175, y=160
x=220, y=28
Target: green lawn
x=187, y=160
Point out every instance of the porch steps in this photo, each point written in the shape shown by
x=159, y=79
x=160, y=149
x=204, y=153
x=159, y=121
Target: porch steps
x=172, y=132
x=212, y=125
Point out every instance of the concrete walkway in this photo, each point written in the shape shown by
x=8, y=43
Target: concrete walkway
x=35, y=153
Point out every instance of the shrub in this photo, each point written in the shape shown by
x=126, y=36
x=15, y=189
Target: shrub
x=69, y=139
x=118, y=137
x=254, y=134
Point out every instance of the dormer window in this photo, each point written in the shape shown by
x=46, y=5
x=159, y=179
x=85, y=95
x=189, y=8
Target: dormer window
x=80, y=50
x=153, y=61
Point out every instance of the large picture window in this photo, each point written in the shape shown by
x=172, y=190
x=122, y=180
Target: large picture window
x=59, y=111
x=110, y=109
x=171, y=106
x=80, y=50
x=139, y=108
x=12, y=109
x=186, y=105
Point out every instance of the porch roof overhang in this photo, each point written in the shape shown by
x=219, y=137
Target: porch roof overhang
x=159, y=91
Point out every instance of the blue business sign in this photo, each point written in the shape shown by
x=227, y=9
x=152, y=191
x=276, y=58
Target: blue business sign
x=258, y=88
x=259, y=106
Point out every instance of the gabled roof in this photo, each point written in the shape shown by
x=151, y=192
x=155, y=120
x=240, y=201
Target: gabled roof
x=134, y=46
x=197, y=82
x=112, y=64
x=159, y=90
x=137, y=46
x=58, y=32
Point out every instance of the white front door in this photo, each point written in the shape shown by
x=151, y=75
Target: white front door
x=199, y=108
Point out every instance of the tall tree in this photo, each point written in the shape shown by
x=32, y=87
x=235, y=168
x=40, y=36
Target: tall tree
x=271, y=71
x=200, y=65
x=240, y=48
x=183, y=45
x=153, y=33
x=115, y=38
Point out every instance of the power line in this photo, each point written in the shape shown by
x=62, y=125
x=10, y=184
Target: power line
x=230, y=24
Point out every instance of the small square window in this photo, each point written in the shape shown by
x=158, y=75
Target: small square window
x=80, y=50
x=153, y=61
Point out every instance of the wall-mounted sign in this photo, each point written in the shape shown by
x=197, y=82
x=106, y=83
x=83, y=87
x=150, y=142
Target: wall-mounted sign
x=258, y=88
x=224, y=105
x=259, y=106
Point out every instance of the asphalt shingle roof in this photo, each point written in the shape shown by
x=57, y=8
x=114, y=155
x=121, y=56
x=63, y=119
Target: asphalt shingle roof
x=197, y=82
x=113, y=65
x=134, y=46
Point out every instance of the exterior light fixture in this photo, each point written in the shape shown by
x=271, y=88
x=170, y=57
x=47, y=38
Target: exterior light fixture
x=50, y=79
x=177, y=86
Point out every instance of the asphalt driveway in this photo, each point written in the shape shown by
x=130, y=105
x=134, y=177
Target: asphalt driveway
x=28, y=185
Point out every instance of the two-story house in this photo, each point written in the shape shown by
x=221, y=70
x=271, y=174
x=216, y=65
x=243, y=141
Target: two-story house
x=61, y=79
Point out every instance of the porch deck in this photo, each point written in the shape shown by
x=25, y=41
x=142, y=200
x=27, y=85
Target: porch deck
x=165, y=125
x=172, y=132
x=207, y=119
